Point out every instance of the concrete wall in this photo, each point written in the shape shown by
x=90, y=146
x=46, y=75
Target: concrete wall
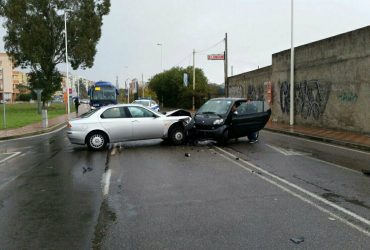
x=332, y=82
x=250, y=84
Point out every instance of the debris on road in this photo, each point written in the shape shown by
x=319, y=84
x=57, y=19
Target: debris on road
x=187, y=155
x=297, y=240
x=331, y=218
x=88, y=169
x=237, y=158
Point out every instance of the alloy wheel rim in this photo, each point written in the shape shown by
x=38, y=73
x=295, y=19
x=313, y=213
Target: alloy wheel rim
x=97, y=141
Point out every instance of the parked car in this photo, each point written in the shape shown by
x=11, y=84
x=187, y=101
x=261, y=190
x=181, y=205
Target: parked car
x=223, y=118
x=125, y=122
x=148, y=103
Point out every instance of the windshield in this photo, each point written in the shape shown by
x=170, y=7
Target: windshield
x=219, y=107
x=142, y=102
x=103, y=93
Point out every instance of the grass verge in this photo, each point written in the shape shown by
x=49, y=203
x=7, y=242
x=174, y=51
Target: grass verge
x=22, y=114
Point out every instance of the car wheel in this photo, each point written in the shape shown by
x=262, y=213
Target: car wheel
x=177, y=135
x=224, y=139
x=253, y=136
x=97, y=141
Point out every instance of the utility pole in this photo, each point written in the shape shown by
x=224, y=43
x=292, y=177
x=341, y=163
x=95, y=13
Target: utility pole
x=226, y=67
x=66, y=45
x=193, y=79
x=291, y=111
x=78, y=86
x=142, y=80
x=4, y=101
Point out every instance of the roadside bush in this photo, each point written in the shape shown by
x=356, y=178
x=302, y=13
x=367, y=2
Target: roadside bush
x=24, y=97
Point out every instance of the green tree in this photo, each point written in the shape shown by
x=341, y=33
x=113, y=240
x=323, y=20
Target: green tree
x=35, y=36
x=170, y=88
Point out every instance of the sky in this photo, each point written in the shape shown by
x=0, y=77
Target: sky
x=256, y=29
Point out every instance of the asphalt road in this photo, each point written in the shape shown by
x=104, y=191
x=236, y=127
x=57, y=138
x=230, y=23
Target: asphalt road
x=149, y=195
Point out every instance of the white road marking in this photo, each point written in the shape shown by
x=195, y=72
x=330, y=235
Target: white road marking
x=286, y=152
x=114, y=150
x=12, y=155
x=308, y=193
x=317, y=142
x=332, y=164
x=9, y=181
x=306, y=155
x=106, y=181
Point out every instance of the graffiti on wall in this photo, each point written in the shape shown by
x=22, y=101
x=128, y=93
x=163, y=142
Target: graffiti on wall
x=348, y=97
x=310, y=98
x=255, y=93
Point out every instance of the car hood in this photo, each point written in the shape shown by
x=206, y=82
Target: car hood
x=178, y=112
x=206, y=119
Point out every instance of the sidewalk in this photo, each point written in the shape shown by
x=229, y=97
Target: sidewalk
x=36, y=128
x=341, y=138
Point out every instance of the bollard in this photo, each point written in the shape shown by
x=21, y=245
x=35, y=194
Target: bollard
x=44, y=114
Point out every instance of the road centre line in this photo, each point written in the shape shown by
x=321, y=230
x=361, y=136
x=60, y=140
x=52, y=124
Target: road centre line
x=317, y=142
x=312, y=195
x=106, y=181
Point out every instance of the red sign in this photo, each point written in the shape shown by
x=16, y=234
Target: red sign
x=216, y=57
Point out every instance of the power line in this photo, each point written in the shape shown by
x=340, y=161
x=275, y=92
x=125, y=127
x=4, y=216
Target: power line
x=204, y=50
x=182, y=60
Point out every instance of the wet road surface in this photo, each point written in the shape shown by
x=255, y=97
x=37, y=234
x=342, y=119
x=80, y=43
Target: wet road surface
x=149, y=195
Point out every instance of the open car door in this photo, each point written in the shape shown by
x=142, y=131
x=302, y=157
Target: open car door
x=250, y=116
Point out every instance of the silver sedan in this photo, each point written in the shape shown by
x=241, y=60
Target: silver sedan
x=125, y=122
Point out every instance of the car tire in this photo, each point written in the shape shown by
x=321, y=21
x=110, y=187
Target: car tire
x=177, y=135
x=253, y=136
x=96, y=141
x=224, y=139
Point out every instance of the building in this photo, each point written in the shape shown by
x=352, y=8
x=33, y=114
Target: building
x=6, y=78
x=20, y=84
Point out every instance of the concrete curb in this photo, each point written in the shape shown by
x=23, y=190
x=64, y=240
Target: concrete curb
x=323, y=139
x=38, y=132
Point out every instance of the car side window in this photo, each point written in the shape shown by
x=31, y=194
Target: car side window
x=247, y=108
x=138, y=112
x=114, y=113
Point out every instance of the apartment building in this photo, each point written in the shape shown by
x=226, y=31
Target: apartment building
x=6, y=78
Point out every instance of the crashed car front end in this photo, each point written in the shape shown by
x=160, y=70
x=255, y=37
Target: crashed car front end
x=206, y=128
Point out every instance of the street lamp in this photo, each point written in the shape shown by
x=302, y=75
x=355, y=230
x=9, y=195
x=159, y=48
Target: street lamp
x=128, y=90
x=66, y=45
x=160, y=44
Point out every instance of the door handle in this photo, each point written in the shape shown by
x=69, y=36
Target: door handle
x=135, y=121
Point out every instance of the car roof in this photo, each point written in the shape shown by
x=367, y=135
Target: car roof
x=228, y=99
x=121, y=105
